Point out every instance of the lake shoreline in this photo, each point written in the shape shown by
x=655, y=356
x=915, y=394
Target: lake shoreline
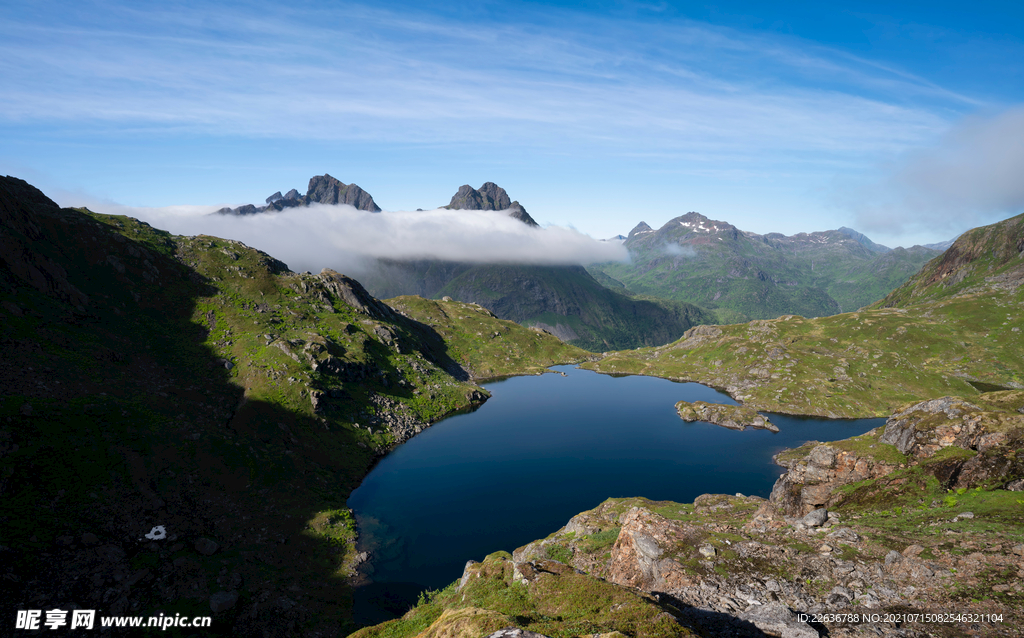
x=381, y=566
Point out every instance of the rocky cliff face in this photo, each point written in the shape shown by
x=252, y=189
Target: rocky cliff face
x=962, y=445
x=812, y=481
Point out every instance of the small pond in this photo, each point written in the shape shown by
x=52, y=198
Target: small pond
x=541, y=450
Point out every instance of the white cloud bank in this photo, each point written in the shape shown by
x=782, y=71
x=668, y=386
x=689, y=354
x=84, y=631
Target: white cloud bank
x=973, y=175
x=345, y=239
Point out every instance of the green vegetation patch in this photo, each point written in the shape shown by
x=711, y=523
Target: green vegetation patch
x=868, y=445
x=555, y=601
x=487, y=346
x=861, y=364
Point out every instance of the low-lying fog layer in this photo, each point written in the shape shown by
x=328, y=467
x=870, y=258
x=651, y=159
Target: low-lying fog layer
x=346, y=239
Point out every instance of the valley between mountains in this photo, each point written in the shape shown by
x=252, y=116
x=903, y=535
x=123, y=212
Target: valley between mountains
x=198, y=383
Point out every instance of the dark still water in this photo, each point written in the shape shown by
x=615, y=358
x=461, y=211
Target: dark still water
x=540, y=451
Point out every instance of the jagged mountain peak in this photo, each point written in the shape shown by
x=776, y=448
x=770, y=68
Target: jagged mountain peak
x=863, y=240
x=290, y=195
x=689, y=228
x=640, y=228
x=322, y=189
x=695, y=222
x=490, y=196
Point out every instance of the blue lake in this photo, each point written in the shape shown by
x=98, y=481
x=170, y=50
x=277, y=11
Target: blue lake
x=540, y=451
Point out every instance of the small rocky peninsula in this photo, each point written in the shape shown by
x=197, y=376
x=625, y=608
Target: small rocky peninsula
x=734, y=417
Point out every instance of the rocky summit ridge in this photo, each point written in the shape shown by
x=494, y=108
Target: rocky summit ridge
x=490, y=196
x=322, y=189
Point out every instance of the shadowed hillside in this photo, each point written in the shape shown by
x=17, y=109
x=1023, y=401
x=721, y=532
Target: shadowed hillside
x=198, y=384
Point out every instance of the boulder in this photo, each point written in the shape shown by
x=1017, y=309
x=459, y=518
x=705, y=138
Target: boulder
x=206, y=547
x=815, y=518
x=223, y=601
x=776, y=619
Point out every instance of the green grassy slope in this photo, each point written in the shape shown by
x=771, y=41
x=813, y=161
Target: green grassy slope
x=955, y=324
x=981, y=261
x=566, y=300
x=196, y=383
x=553, y=600
x=485, y=345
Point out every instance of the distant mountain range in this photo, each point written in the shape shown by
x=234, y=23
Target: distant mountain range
x=564, y=300
x=743, y=275
x=324, y=189
x=692, y=270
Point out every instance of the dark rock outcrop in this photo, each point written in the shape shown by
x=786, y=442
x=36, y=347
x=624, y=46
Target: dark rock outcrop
x=353, y=293
x=924, y=428
x=24, y=213
x=812, y=480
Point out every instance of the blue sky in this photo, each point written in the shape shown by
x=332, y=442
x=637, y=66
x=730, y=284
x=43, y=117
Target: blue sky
x=902, y=122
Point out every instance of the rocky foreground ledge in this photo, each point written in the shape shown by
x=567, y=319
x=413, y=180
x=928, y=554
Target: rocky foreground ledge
x=734, y=417
x=914, y=529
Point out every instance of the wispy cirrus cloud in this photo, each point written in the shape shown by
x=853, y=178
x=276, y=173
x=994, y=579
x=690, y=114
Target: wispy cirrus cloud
x=356, y=73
